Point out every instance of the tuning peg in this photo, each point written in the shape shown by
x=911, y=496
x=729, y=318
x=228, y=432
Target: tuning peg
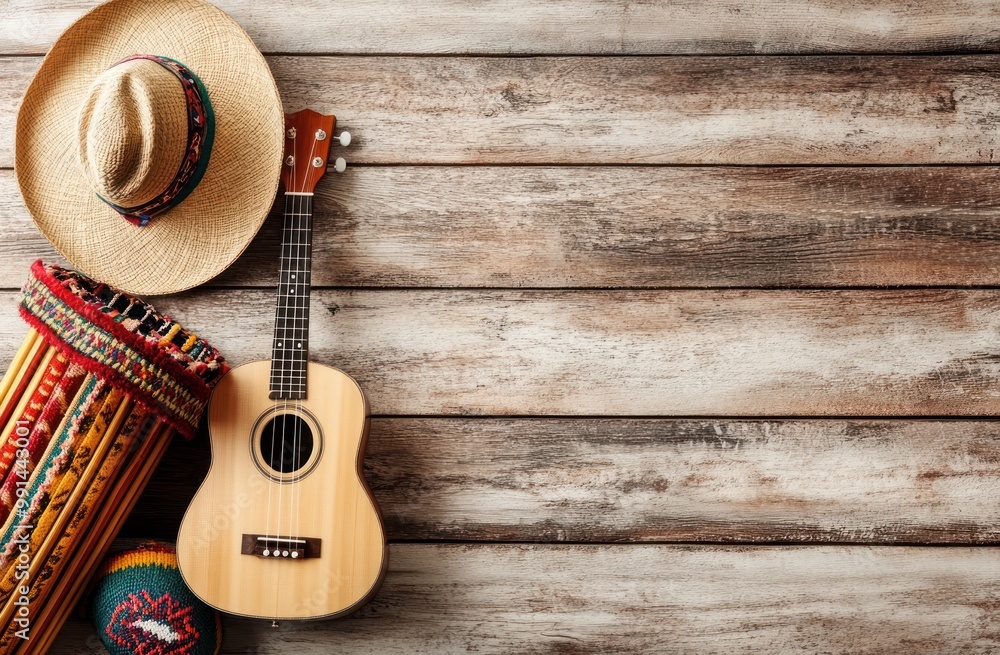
x=344, y=138
x=340, y=165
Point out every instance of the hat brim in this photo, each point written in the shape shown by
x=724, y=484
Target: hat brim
x=205, y=233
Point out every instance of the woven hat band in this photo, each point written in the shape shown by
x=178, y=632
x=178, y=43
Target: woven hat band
x=131, y=143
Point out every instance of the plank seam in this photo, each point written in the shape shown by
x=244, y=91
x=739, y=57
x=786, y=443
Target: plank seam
x=940, y=418
x=596, y=164
x=609, y=55
x=684, y=289
x=711, y=544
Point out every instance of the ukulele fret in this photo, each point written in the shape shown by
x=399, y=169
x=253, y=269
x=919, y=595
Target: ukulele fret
x=290, y=346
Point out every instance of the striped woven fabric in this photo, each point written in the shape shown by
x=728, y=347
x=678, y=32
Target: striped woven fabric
x=123, y=339
x=88, y=405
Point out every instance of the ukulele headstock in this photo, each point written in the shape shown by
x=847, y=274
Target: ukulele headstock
x=308, y=135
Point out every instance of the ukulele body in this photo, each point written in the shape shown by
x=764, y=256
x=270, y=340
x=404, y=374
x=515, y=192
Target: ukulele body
x=314, y=508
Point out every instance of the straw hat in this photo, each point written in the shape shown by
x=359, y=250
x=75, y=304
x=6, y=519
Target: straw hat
x=149, y=143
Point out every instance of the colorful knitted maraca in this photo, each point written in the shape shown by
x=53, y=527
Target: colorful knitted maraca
x=141, y=606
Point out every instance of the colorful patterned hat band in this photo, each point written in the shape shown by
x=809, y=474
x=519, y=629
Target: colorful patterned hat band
x=124, y=340
x=201, y=134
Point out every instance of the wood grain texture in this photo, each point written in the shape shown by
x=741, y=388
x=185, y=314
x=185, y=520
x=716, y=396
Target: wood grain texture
x=15, y=74
x=632, y=110
x=656, y=599
x=329, y=503
x=539, y=207
x=571, y=26
x=633, y=480
x=655, y=353
x=621, y=227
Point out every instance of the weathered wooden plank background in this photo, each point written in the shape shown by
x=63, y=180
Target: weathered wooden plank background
x=602, y=294
x=624, y=480
x=461, y=598
x=640, y=110
x=926, y=352
x=571, y=26
x=624, y=227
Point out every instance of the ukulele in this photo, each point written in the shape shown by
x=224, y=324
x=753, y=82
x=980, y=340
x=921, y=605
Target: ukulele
x=284, y=526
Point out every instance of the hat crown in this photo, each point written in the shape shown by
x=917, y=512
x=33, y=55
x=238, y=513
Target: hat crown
x=132, y=132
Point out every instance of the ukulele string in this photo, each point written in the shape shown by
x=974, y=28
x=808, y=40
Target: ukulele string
x=288, y=348
x=276, y=371
x=283, y=388
x=303, y=346
x=296, y=435
x=297, y=424
x=294, y=205
x=292, y=304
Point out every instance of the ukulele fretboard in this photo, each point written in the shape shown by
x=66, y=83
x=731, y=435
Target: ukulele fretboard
x=290, y=348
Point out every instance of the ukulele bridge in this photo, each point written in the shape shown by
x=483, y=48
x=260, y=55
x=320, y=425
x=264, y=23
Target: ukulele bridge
x=276, y=547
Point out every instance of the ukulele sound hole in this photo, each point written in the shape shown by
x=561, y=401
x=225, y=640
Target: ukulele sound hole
x=286, y=443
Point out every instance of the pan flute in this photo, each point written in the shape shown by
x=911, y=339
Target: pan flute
x=98, y=388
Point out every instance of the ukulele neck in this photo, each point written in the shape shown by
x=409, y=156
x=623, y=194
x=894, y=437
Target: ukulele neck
x=290, y=347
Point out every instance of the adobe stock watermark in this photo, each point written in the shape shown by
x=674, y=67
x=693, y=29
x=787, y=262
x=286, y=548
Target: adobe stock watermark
x=21, y=620
x=229, y=514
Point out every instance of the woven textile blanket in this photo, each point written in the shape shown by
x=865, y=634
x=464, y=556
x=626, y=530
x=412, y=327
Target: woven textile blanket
x=88, y=405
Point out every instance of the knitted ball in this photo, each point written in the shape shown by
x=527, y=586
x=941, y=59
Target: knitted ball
x=141, y=606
